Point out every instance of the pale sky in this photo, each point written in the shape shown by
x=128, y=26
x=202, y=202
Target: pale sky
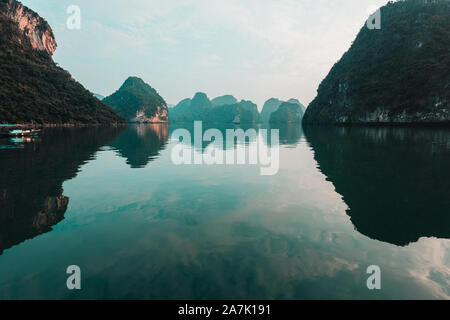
x=253, y=49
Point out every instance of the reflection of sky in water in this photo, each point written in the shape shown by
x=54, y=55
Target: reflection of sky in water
x=168, y=231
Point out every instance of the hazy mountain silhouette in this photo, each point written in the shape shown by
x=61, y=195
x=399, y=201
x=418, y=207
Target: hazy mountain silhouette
x=200, y=108
x=287, y=113
x=224, y=100
x=272, y=105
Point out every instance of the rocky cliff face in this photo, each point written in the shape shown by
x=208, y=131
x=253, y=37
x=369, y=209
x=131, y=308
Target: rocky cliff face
x=161, y=115
x=397, y=74
x=32, y=87
x=31, y=25
x=138, y=102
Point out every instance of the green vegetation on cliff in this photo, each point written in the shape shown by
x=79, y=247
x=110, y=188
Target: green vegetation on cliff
x=34, y=89
x=138, y=102
x=397, y=74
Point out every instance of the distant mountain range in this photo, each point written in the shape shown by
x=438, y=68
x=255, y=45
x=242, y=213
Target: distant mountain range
x=225, y=109
x=397, y=74
x=138, y=102
x=32, y=87
x=98, y=96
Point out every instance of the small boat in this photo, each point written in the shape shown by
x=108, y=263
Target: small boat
x=8, y=147
x=17, y=131
x=21, y=133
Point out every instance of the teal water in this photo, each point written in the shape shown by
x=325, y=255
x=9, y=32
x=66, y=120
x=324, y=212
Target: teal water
x=111, y=201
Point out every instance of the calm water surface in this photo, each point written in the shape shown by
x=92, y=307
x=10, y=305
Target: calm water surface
x=111, y=201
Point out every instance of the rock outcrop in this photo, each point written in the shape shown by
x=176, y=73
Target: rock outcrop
x=269, y=107
x=138, y=102
x=244, y=112
x=272, y=105
x=397, y=74
x=250, y=113
x=31, y=25
x=287, y=113
x=189, y=110
x=295, y=101
x=32, y=87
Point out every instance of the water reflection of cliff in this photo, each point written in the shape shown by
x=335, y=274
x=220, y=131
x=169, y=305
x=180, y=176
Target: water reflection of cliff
x=140, y=144
x=395, y=181
x=289, y=134
x=31, y=194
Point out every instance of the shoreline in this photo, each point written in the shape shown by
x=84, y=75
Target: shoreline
x=381, y=124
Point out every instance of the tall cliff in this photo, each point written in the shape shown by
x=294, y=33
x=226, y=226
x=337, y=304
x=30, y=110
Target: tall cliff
x=138, y=102
x=31, y=25
x=32, y=87
x=397, y=74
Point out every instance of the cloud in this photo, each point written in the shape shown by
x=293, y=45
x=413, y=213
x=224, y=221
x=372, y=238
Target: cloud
x=282, y=48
